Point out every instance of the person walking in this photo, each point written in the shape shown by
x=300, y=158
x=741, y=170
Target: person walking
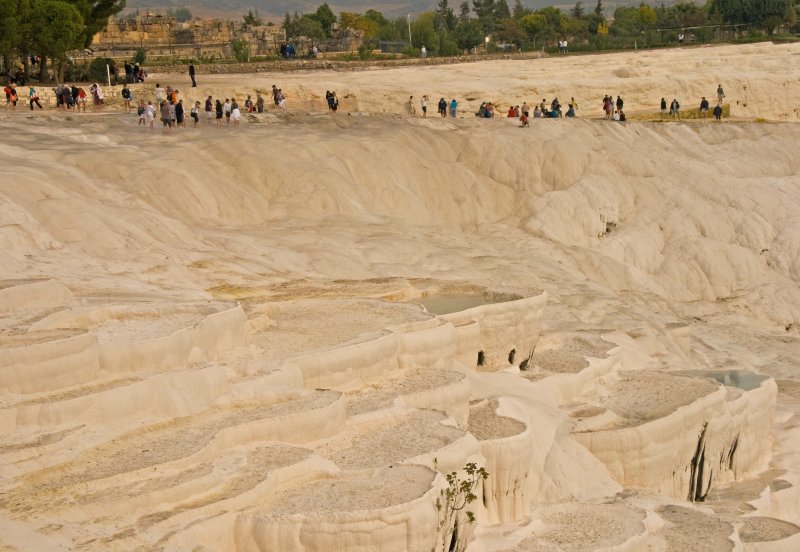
x=675, y=108
x=195, y=113
x=160, y=94
x=236, y=114
x=180, y=116
x=150, y=114
x=127, y=97
x=192, y=75
x=663, y=107
x=166, y=121
x=33, y=98
x=209, y=107
x=620, y=103
x=218, y=109
x=442, y=107
x=703, y=107
x=718, y=113
x=720, y=93
x=259, y=103
x=333, y=102
x=453, y=108
x=226, y=108
x=424, y=105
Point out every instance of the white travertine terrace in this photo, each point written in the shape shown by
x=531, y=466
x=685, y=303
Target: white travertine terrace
x=217, y=342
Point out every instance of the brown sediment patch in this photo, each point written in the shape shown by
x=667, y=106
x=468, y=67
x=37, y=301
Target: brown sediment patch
x=485, y=424
x=363, y=491
x=569, y=354
x=758, y=529
x=56, y=487
x=581, y=527
x=419, y=433
x=690, y=530
x=381, y=395
x=789, y=387
x=639, y=397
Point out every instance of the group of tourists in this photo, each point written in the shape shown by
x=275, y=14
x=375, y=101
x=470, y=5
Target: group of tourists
x=172, y=112
x=443, y=108
x=134, y=73
x=675, y=106
x=170, y=109
x=332, y=100
x=613, y=108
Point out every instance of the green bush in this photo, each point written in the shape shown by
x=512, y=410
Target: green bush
x=140, y=56
x=364, y=52
x=241, y=49
x=76, y=71
x=97, y=69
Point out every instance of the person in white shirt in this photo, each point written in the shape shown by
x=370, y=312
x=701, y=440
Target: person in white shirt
x=160, y=94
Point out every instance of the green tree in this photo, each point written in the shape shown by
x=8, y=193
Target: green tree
x=510, y=31
x=310, y=27
x=445, y=18
x=307, y=26
x=598, y=9
x=463, y=11
x=556, y=21
x=251, y=19
x=469, y=34
x=181, y=14
x=485, y=11
x=446, y=43
x=732, y=11
x=769, y=13
x=519, y=10
x=536, y=26
x=10, y=26
x=376, y=16
x=241, y=49
x=95, y=14
x=501, y=10
x=325, y=17
x=577, y=11
x=423, y=32
x=645, y=16
x=625, y=21
x=56, y=28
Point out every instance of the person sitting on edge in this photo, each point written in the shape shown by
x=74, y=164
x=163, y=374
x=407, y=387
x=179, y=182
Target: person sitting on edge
x=571, y=111
x=621, y=116
x=523, y=120
x=512, y=114
x=537, y=113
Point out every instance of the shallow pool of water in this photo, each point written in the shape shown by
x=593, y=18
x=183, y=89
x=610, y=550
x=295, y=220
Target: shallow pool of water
x=447, y=304
x=730, y=378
